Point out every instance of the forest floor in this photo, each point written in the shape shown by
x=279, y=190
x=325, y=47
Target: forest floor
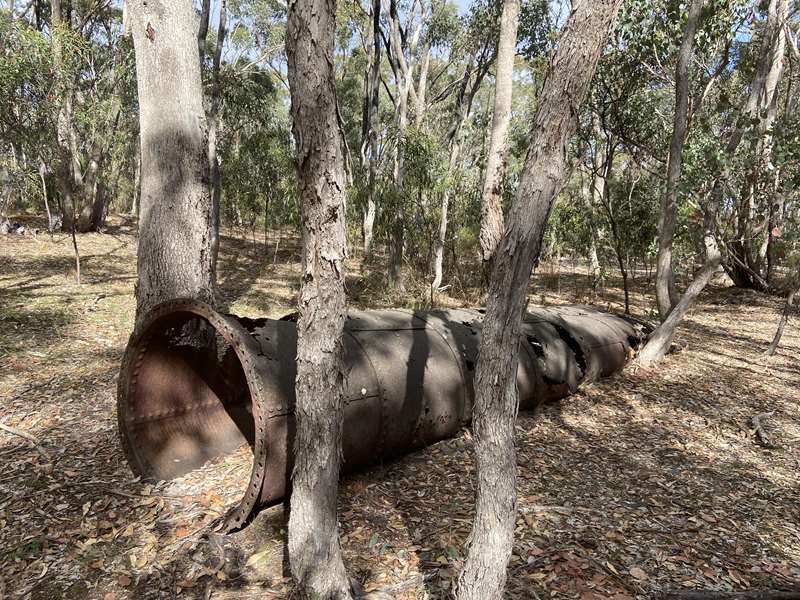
x=650, y=480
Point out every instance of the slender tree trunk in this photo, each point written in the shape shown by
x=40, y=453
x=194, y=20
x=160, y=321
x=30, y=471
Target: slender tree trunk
x=666, y=294
x=601, y=178
x=369, y=134
x=566, y=84
x=463, y=105
x=314, y=551
x=776, y=340
x=175, y=257
x=659, y=342
x=214, y=118
x=742, y=262
x=422, y=86
x=202, y=30
x=438, y=258
x=63, y=119
x=595, y=271
x=404, y=74
x=622, y=257
x=491, y=230
x=42, y=175
x=602, y=165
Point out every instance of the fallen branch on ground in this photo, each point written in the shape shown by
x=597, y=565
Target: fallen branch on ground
x=27, y=436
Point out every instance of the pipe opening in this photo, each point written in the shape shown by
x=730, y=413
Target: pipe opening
x=185, y=407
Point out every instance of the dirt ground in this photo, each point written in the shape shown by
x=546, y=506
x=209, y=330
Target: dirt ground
x=651, y=480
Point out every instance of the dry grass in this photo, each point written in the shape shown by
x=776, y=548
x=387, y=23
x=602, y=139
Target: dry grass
x=647, y=481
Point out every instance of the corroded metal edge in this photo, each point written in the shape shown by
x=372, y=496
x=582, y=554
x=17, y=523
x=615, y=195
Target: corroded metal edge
x=246, y=350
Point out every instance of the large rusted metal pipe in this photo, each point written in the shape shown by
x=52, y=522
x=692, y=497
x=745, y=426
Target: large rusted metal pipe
x=408, y=383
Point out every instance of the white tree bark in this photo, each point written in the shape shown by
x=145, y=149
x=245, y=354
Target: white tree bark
x=404, y=75
x=491, y=230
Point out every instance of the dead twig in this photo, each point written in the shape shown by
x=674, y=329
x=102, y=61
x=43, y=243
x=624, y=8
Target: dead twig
x=27, y=436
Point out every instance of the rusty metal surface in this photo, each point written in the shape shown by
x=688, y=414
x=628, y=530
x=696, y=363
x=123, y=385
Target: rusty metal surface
x=408, y=383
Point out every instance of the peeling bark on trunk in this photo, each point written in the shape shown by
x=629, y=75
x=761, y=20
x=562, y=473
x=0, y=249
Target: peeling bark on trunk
x=666, y=294
x=314, y=550
x=496, y=402
x=491, y=229
x=175, y=257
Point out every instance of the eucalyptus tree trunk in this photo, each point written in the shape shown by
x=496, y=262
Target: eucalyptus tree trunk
x=787, y=307
x=463, y=105
x=491, y=230
x=404, y=75
x=176, y=229
x=315, y=554
x=214, y=118
x=369, y=136
x=660, y=340
x=438, y=258
x=202, y=29
x=496, y=403
x=595, y=271
x=64, y=125
x=666, y=293
x=742, y=262
x=422, y=86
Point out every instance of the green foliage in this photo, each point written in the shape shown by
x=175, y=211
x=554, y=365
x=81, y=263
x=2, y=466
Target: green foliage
x=631, y=104
x=255, y=153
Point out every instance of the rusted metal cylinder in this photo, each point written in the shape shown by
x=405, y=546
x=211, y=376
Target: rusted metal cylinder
x=408, y=383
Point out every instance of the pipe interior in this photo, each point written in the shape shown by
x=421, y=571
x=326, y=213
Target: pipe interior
x=188, y=398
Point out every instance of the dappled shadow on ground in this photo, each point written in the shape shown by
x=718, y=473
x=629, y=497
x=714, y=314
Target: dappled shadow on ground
x=646, y=481
x=258, y=281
